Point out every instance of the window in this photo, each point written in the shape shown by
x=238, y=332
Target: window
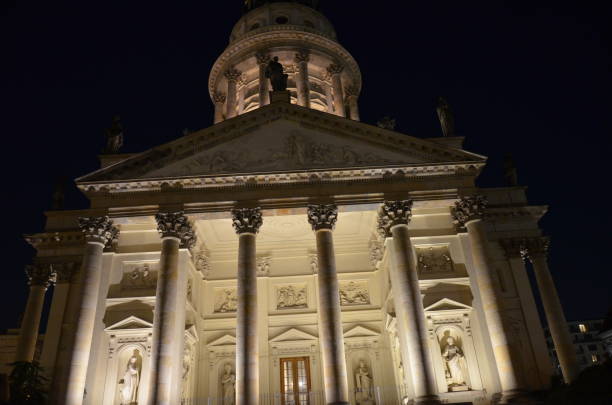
x=295, y=381
x=582, y=327
x=594, y=358
x=593, y=348
x=255, y=26
x=282, y=20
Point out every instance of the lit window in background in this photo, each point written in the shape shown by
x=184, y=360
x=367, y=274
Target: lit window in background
x=594, y=358
x=582, y=328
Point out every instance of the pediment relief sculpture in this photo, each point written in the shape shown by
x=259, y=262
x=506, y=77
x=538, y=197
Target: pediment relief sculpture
x=226, y=300
x=354, y=293
x=291, y=297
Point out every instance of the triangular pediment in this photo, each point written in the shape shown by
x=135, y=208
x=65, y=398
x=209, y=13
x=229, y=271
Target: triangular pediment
x=131, y=322
x=360, y=332
x=447, y=304
x=225, y=340
x=293, y=335
x=280, y=139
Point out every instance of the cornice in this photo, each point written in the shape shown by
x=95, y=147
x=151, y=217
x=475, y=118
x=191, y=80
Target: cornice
x=56, y=239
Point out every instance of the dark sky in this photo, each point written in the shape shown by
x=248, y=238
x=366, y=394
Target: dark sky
x=527, y=77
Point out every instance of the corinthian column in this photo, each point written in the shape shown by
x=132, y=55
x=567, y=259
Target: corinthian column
x=335, y=72
x=39, y=279
x=247, y=222
x=393, y=219
x=263, y=59
x=323, y=219
x=176, y=232
x=232, y=75
x=219, y=99
x=303, y=87
x=536, y=250
x=469, y=213
x=98, y=231
x=352, y=95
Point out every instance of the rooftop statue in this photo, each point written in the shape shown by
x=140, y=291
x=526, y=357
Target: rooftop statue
x=275, y=73
x=114, y=136
x=447, y=119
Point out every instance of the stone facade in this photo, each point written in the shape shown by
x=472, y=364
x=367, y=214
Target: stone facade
x=290, y=252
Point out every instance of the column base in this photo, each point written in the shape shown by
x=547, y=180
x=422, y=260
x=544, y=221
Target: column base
x=338, y=403
x=280, y=97
x=429, y=400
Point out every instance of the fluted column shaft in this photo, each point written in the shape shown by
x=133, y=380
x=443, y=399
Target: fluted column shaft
x=176, y=232
x=39, y=279
x=246, y=223
x=98, y=232
x=232, y=75
x=219, y=99
x=469, y=212
x=536, y=250
x=303, y=87
x=264, y=94
x=394, y=217
x=335, y=72
x=323, y=219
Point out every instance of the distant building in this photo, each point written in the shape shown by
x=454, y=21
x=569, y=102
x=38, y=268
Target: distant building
x=605, y=335
x=590, y=348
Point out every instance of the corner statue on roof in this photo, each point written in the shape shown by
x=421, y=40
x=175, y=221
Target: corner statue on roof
x=275, y=72
x=114, y=137
x=447, y=119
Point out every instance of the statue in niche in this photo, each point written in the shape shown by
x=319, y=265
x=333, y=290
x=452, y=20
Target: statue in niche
x=131, y=380
x=114, y=136
x=363, y=382
x=228, y=382
x=276, y=74
x=226, y=301
x=291, y=297
x=456, y=367
x=447, y=119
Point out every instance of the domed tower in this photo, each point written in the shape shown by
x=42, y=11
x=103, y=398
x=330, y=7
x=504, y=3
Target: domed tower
x=322, y=74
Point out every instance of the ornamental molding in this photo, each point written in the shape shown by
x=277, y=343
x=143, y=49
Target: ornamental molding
x=263, y=266
x=40, y=275
x=55, y=239
x=176, y=225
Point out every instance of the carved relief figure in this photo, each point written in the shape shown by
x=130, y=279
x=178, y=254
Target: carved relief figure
x=434, y=259
x=130, y=382
x=354, y=293
x=363, y=382
x=140, y=278
x=226, y=300
x=190, y=290
x=456, y=367
x=186, y=372
x=291, y=297
x=228, y=382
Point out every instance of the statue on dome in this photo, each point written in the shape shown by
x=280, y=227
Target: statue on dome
x=114, y=136
x=276, y=74
x=447, y=119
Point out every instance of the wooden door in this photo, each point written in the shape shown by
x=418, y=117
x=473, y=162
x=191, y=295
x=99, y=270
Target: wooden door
x=295, y=381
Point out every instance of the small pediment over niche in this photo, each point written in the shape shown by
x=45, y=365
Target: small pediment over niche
x=359, y=332
x=225, y=340
x=446, y=304
x=129, y=323
x=293, y=335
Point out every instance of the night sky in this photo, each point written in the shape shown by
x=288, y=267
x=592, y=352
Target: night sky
x=531, y=78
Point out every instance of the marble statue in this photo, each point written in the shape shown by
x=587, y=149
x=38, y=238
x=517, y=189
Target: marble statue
x=114, y=136
x=455, y=363
x=447, y=119
x=131, y=380
x=276, y=74
x=363, y=382
x=228, y=381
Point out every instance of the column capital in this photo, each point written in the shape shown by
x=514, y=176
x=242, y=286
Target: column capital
x=535, y=248
x=219, y=97
x=232, y=75
x=513, y=247
x=247, y=220
x=352, y=90
x=176, y=225
x=469, y=208
x=335, y=69
x=40, y=274
x=392, y=213
x=98, y=229
x=322, y=216
x=302, y=55
x=63, y=272
x=263, y=58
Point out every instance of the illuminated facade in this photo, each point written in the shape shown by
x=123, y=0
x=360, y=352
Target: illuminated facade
x=290, y=254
